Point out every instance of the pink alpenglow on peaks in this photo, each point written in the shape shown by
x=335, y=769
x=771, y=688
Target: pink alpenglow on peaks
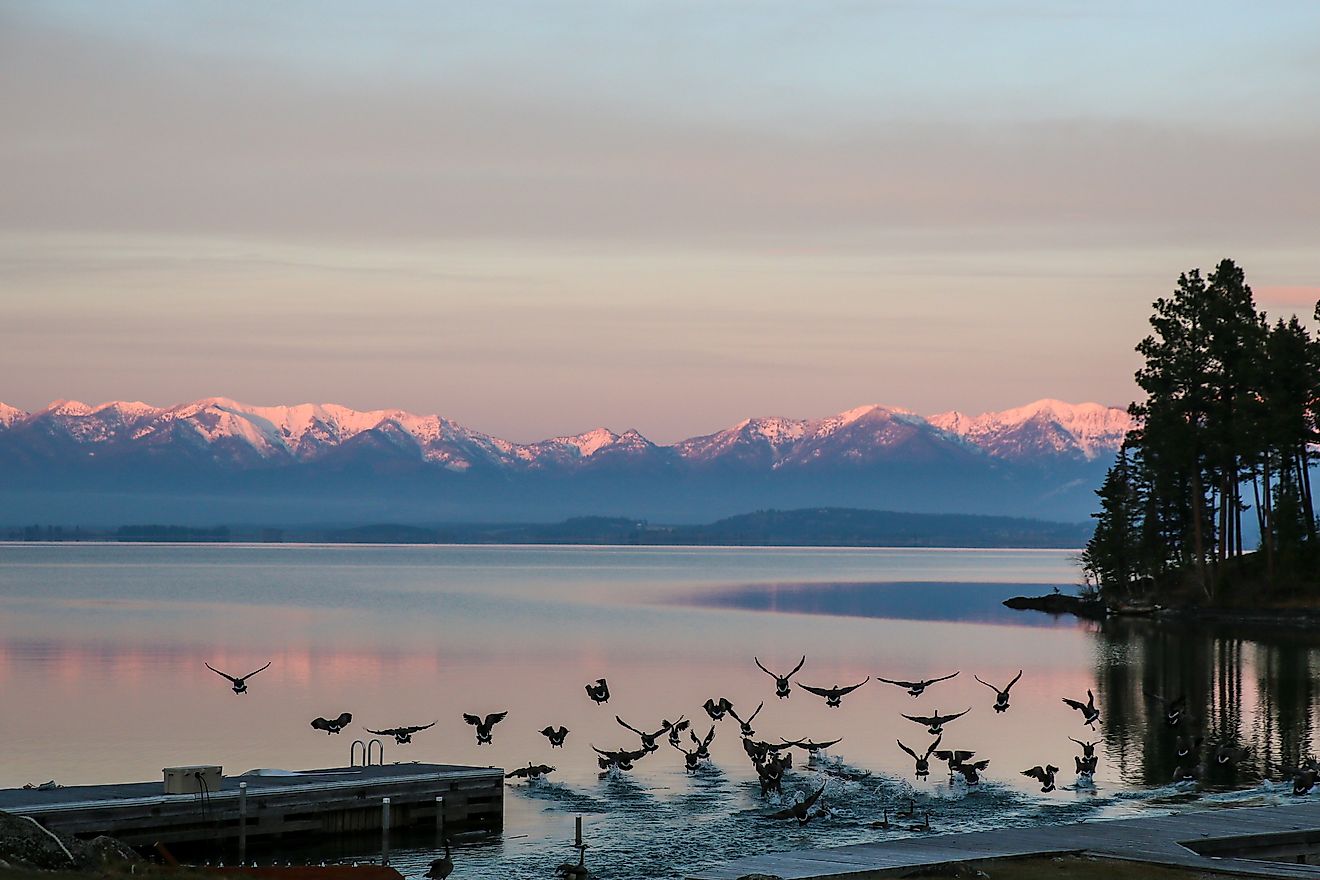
x=306, y=432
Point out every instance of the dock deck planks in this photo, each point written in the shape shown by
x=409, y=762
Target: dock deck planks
x=1149, y=839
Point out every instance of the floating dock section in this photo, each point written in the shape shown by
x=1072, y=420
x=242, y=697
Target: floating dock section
x=254, y=807
x=1271, y=841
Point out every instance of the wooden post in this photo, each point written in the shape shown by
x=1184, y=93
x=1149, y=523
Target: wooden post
x=439, y=819
x=242, y=823
x=577, y=841
x=384, y=832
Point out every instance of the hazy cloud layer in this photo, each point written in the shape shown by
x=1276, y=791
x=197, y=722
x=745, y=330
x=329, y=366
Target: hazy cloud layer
x=691, y=209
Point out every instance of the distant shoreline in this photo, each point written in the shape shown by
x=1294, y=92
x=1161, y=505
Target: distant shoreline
x=815, y=527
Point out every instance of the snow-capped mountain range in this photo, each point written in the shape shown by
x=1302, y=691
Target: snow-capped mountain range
x=218, y=447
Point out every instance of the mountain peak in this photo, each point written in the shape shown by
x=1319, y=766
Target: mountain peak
x=10, y=414
x=1088, y=429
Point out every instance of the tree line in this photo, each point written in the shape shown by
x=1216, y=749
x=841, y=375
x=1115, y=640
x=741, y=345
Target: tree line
x=1225, y=434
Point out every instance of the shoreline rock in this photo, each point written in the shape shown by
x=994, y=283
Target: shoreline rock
x=1060, y=603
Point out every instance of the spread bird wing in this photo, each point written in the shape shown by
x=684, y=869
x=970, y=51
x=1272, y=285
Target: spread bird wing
x=320, y=723
x=520, y=772
x=851, y=688
x=759, y=707
x=763, y=669
x=225, y=674
x=734, y=715
x=710, y=737
x=491, y=720
x=419, y=727
x=255, y=671
x=943, y=677
x=796, y=668
x=546, y=768
x=820, y=692
x=902, y=684
x=680, y=748
x=471, y=719
x=725, y=705
x=981, y=765
x=933, y=746
x=906, y=749
x=1037, y=772
x=627, y=725
x=945, y=719
x=344, y=718
x=920, y=719
x=813, y=798
x=786, y=813
x=1079, y=706
x=989, y=685
x=1009, y=687
x=820, y=745
x=389, y=731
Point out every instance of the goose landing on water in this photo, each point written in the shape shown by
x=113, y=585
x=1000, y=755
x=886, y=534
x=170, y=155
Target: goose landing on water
x=922, y=761
x=716, y=709
x=746, y=726
x=1043, y=775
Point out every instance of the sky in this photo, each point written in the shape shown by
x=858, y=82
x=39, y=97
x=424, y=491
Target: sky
x=538, y=217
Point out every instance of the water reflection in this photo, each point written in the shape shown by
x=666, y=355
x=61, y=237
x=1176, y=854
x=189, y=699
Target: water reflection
x=1248, y=688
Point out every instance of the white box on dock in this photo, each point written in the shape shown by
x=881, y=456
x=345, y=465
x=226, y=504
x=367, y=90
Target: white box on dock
x=201, y=779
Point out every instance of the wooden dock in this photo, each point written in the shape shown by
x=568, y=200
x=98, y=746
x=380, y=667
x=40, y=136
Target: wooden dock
x=332, y=801
x=1240, y=841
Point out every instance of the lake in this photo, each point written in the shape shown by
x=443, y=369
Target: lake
x=102, y=679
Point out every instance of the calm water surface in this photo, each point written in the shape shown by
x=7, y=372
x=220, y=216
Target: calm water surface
x=102, y=679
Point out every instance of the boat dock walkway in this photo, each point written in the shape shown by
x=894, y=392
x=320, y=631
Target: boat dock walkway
x=331, y=801
x=1239, y=840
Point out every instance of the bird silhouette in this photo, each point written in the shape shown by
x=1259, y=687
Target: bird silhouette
x=442, y=867
x=810, y=746
x=648, y=739
x=801, y=809
x=703, y=745
x=677, y=728
x=621, y=758
x=746, y=726
x=916, y=688
x=1173, y=709
x=834, y=695
x=1044, y=775
x=485, y=726
x=935, y=723
x=1090, y=714
x=599, y=692
x=922, y=761
x=1001, y=696
x=717, y=709
x=556, y=736
x=402, y=735
x=239, y=684
x=531, y=771
x=690, y=756
x=782, y=689
x=333, y=725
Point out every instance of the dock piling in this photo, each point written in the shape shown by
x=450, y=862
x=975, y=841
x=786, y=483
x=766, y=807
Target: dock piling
x=242, y=822
x=385, y=832
x=439, y=819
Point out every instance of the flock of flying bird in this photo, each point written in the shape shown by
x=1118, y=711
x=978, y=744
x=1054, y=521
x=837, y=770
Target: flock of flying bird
x=771, y=759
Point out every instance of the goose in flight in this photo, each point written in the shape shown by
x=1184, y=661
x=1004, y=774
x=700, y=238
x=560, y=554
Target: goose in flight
x=332, y=725
x=599, y=692
x=556, y=736
x=922, y=761
x=717, y=709
x=834, y=695
x=955, y=758
x=1090, y=714
x=801, y=809
x=935, y=723
x=746, y=726
x=781, y=681
x=402, y=735
x=916, y=688
x=1087, y=760
x=485, y=726
x=648, y=739
x=972, y=772
x=239, y=684
x=1001, y=696
x=1043, y=775
x=676, y=728
x=1229, y=756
